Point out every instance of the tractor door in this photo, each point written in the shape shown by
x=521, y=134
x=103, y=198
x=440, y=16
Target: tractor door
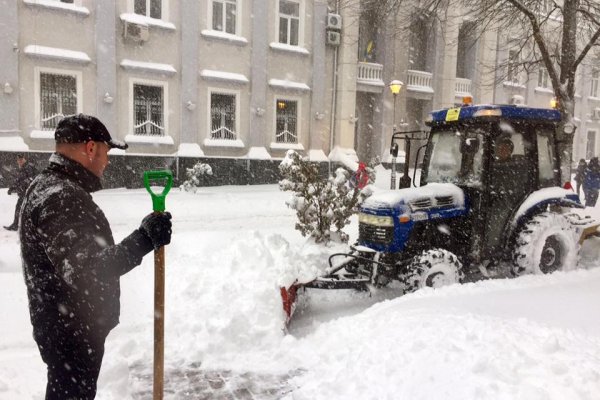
x=512, y=177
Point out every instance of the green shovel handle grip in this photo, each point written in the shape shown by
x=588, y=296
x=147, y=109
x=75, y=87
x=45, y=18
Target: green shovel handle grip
x=158, y=200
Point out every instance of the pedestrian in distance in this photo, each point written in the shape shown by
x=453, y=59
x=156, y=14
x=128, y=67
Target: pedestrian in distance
x=591, y=182
x=72, y=266
x=579, y=175
x=25, y=176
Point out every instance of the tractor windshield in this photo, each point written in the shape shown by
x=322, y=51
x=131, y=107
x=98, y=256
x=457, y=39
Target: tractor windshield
x=454, y=156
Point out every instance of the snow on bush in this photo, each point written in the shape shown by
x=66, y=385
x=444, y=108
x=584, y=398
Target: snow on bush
x=320, y=203
x=193, y=176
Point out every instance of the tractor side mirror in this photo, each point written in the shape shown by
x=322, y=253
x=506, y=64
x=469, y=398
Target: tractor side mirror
x=394, y=150
x=470, y=146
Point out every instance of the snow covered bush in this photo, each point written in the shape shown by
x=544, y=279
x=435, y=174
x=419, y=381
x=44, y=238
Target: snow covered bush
x=320, y=203
x=193, y=176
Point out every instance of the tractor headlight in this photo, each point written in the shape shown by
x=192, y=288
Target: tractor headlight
x=375, y=220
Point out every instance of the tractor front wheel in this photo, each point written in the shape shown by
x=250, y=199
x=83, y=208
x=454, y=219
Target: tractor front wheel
x=432, y=268
x=547, y=243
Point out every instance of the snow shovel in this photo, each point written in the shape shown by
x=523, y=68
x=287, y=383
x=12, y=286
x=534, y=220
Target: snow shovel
x=158, y=205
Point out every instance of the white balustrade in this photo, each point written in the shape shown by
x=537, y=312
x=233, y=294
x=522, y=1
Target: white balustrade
x=420, y=81
x=462, y=85
x=370, y=73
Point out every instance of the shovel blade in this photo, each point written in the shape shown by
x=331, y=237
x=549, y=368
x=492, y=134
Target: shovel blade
x=289, y=297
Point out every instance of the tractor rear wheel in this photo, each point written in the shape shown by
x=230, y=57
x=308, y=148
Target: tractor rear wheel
x=547, y=243
x=432, y=268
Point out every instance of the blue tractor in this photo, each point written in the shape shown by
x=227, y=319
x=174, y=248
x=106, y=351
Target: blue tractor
x=489, y=204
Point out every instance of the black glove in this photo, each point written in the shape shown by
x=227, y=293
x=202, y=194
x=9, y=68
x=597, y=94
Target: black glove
x=10, y=191
x=158, y=228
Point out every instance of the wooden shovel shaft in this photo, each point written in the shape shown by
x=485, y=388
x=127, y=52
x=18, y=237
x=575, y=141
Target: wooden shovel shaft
x=159, y=322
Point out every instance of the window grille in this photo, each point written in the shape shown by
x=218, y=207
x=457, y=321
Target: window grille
x=224, y=16
x=222, y=116
x=148, y=106
x=286, y=130
x=58, y=99
x=148, y=8
x=289, y=22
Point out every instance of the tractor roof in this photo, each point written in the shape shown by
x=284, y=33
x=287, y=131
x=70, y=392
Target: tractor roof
x=481, y=112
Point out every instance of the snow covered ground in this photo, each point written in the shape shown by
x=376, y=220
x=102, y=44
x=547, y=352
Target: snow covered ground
x=535, y=337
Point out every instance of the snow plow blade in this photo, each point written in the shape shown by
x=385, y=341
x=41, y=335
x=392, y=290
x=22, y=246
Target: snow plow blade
x=289, y=297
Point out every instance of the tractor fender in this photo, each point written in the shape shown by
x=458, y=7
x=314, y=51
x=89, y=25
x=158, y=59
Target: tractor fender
x=539, y=201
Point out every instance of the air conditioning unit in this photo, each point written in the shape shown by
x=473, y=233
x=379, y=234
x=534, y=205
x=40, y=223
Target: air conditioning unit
x=334, y=38
x=596, y=113
x=517, y=100
x=135, y=32
x=334, y=21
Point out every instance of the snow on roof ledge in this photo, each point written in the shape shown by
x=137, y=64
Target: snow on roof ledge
x=13, y=143
x=317, y=155
x=224, y=36
x=57, y=5
x=164, y=69
x=146, y=139
x=53, y=53
x=258, y=153
x=289, y=48
x=289, y=85
x=189, y=150
x=223, y=76
x=237, y=143
x=346, y=157
x=145, y=21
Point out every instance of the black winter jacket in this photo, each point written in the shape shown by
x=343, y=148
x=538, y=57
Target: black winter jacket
x=25, y=176
x=71, y=263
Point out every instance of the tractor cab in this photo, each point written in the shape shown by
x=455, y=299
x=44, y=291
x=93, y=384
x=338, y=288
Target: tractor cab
x=498, y=155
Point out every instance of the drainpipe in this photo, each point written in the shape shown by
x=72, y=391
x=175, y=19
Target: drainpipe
x=334, y=96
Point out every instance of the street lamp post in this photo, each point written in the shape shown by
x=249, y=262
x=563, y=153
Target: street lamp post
x=395, y=87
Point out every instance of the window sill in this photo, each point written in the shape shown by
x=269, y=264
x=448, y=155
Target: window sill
x=544, y=90
x=55, y=54
x=154, y=68
x=514, y=84
x=46, y=135
x=592, y=98
x=286, y=146
x=147, y=139
x=289, y=49
x=223, y=76
x=147, y=21
x=226, y=37
x=57, y=5
x=237, y=143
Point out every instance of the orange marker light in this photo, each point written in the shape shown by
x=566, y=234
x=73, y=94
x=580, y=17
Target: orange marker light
x=403, y=219
x=467, y=101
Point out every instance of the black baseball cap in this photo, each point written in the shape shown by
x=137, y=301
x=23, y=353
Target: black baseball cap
x=82, y=128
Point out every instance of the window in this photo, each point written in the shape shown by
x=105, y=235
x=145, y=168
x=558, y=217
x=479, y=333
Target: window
x=224, y=14
x=148, y=110
x=543, y=78
x=148, y=8
x=223, y=116
x=286, y=121
x=58, y=98
x=289, y=22
x=594, y=83
x=512, y=74
x=67, y=1
x=545, y=159
x=590, y=149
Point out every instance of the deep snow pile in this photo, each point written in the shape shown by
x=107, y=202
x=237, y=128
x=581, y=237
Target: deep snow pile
x=535, y=337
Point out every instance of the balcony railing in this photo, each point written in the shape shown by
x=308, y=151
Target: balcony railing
x=370, y=74
x=462, y=86
x=419, y=81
